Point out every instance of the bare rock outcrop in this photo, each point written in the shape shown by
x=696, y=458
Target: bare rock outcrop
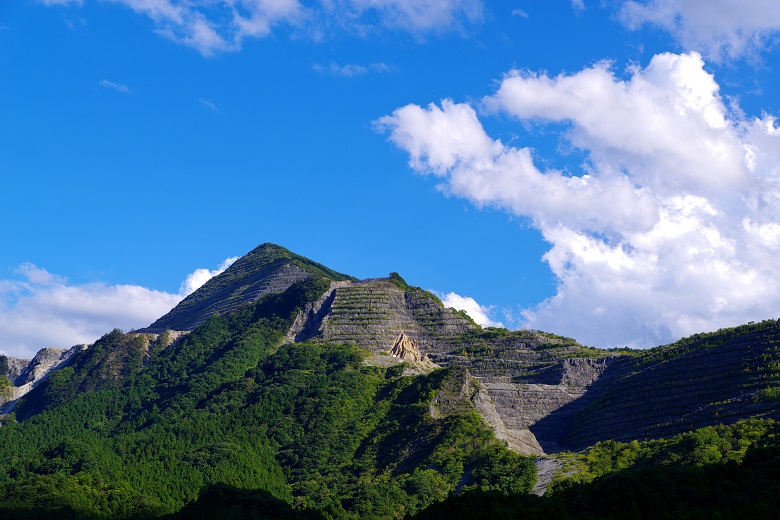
x=406, y=348
x=518, y=438
x=11, y=367
x=45, y=362
x=309, y=320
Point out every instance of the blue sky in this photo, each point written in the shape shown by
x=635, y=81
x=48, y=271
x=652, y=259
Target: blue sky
x=605, y=170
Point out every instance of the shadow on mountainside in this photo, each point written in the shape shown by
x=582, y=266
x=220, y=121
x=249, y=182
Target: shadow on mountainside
x=224, y=502
x=553, y=431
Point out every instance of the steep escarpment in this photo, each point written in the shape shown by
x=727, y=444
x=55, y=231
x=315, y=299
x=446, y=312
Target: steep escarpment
x=524, y=375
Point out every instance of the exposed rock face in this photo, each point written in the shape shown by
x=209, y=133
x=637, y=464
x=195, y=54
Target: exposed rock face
x=716, y=379
x=222, y=297
x=11, y=367
x=308, y=322
x=406, y=349
x=45, y=361
x=522, y=405
x=523, y=375
x=546, y=468
x=518, y=438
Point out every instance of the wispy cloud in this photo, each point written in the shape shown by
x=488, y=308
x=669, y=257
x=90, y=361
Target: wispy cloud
x=216, y=26
x=673, y=225
x=719, y=28
x=351, y=70
x=119, y=87
x=39, y=309
x=62, y=2
x=208, y=104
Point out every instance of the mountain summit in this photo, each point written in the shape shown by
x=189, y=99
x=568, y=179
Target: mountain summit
x=267, y=269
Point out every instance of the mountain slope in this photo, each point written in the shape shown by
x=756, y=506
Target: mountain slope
x=706, y=379
x=267, y=269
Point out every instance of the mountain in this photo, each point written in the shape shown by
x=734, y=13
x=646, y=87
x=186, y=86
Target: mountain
x=267, y=269
x=358, y=398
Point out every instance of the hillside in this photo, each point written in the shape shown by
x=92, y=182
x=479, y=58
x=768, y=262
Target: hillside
x=706, y=379
x=353, y=399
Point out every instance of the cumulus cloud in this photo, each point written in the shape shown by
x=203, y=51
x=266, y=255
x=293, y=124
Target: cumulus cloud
x=477, y=312
x=721, y=28
x=198, y=277
x=671, y=227
x=216, y=26
x=39, y=309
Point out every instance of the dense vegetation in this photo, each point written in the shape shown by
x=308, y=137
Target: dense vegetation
x=112, y=360
x=714, y=472
x=226, y=416
x=750, y=490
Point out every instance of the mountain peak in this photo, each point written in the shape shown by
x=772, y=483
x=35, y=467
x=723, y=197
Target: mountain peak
x=267, y=269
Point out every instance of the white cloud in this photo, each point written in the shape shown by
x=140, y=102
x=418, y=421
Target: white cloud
x=198, y=277
x=673, y=225
x=720, y=28
x=124, y=89
x=477, y=312
x=39, y=309
x=216, y=26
